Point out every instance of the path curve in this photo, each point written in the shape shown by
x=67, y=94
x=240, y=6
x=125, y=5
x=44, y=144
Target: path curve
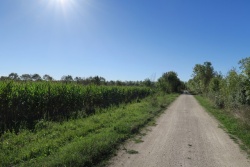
x=185, y=136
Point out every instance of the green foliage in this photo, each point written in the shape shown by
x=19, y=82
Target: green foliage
x=245, y=66
x=148, y=83
x=46, y=77
x=169, y=82
x=28, y=102
x=13, y=76
x=202, y=74
x=230, y=92
x=215, y=91
x=78, y=142
x=67, y=78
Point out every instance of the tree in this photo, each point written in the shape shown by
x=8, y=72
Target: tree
x=235, y=88
x=2, y=78
x=147, y=82
x=193, y=86
x=26, y=77
x=169, y=82
x=98, y=80
x=245, y=66
x=67, y=78
x=14, y=76
x=46, y=77
x=119, y=83
x=36, y=77
x=215, y=84
x=202, y=74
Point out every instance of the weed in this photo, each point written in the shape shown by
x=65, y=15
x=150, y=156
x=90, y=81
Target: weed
x=138, y=140
x=132, y=152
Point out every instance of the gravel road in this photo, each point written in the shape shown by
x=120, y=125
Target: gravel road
x=184, y=136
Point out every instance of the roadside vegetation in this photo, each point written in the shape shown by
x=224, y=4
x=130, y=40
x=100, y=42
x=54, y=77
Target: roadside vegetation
x=229, y=95
x=72, y=122
x=234, y=126
x=25, y=103
x=79, y=142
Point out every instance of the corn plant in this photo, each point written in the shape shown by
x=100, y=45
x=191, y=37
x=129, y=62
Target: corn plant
x=24, y=103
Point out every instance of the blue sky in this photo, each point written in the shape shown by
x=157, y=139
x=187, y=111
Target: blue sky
x=122, y=39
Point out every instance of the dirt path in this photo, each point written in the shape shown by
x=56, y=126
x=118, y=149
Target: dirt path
x=185, y=136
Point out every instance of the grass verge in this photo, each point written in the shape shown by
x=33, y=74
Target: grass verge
x=80, y=142
x=235, y=127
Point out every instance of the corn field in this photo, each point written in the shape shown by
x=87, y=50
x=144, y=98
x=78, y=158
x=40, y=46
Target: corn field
x=27, y=102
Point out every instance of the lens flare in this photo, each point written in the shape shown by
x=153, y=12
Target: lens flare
x=63, y=8
x=62, y=2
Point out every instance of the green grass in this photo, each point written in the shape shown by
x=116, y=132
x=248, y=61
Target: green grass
x=80, y=142
x=235, y=127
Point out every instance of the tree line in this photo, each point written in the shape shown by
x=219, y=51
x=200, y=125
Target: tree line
x=169, y=81
x=96, y=80
x=230, y=91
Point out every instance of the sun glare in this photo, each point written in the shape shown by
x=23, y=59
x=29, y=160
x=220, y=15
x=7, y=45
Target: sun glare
x=62, y=2
x=65, y=9
x=61, y=6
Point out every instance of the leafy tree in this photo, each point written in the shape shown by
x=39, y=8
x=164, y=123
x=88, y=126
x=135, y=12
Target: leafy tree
x=234, y=89
x=36, y=77
x=14, y=76
x=202, y=74
x=147, y=82
x=67, y=78
x=119, y=83
x=215, y=84
x=78, y=79
x=46, y=77
x=169, y=82
x=4, y=78
x=26, y=77
x=111, y=83
x=245, y=66
x=98, y=80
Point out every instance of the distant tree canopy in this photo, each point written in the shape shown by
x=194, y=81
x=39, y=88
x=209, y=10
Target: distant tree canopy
x=202, y=75
x=96, y=80
x=36, y=77
x=245, y=66
x=14, y=76
x=67, y=78
x=169, y=82
x=46, y=77
x=147, y=82
x=230, y=91
x=26, y=77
